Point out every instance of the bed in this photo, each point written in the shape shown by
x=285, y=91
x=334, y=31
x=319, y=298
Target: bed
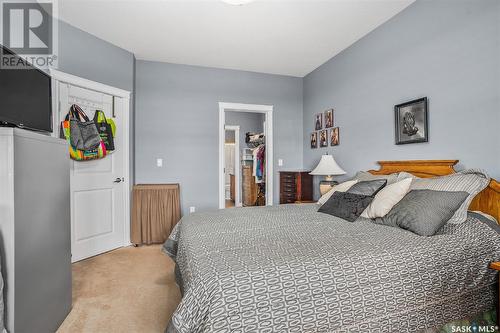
x=292, y=269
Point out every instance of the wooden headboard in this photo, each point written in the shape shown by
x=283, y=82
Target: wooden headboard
x=487, y=201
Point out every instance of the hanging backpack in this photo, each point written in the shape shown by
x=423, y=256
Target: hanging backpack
x=82, y=136
x=105, y=130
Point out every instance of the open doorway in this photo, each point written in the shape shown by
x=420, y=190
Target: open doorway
x=232, y=175
x=245, y=159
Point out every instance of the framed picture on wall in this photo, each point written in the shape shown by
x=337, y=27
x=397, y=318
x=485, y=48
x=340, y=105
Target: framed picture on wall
x=411, y=122
x=329, y=118
x=318, y=121
x=323, y=138
x=334, y=136
x=314, y=140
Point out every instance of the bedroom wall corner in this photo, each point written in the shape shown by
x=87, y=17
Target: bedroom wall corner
x=447, y=51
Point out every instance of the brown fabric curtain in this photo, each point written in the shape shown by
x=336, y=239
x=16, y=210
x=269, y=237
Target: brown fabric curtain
x=155, y=211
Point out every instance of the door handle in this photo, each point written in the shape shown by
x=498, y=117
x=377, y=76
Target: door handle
x=119, y=180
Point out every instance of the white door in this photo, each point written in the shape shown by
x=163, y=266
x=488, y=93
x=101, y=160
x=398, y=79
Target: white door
x=97, y=188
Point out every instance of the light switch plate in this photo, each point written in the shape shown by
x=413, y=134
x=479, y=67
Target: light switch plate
x=159, y=162
x=280, y=162
x=192, y=209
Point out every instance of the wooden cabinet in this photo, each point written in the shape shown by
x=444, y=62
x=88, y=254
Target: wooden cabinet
x=249, y=187
x=232, y=185
x=296, y=187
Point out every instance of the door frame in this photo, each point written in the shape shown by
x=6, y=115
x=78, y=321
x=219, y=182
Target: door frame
x=237, y=163
x=58, y=78
x=267, y=110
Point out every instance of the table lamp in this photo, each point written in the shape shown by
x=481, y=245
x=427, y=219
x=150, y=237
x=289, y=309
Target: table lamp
x=329, y=168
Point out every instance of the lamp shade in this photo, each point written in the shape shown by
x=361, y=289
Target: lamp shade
x=327, y=167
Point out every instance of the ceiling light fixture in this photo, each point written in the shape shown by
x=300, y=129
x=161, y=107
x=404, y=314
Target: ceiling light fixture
x=237, y=2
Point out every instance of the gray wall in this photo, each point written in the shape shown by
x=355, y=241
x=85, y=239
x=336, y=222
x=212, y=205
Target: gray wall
x=87, y=56
x=177, y=120
x=446, y=50
x=248, y=122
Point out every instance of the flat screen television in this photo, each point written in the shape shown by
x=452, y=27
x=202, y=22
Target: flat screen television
x=25, y=97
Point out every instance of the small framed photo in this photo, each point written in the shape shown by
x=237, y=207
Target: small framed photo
x=318, y=121
x=329, y=118
x=334, y=136
x=314, y=140
x=323, y=138
x=411, y=122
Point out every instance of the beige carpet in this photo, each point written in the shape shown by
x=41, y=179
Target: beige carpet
x=126, y=290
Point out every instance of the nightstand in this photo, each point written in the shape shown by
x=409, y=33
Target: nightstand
x=295, y=186
x=496, y=266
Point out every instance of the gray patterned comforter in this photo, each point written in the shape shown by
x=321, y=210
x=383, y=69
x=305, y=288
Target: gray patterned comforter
x=291, y=269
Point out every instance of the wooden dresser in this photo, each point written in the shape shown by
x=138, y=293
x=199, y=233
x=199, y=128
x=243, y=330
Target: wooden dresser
x=232, y=187
x=296, y=187
x=249, y=187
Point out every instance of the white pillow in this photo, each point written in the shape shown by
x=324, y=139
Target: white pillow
x=342, y=187
x=387, y=198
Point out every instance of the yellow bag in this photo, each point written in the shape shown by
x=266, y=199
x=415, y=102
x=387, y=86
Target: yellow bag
x=110, y=121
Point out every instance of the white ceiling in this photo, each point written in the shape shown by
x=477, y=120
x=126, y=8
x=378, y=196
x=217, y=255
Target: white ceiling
x=289, y=37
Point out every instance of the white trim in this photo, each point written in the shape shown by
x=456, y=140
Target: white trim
x=126, y=169
x=241, y=107
x=237, y=163
x=88, y=84
x=123, y=97
x=55, y=107
x=269, y=157
x=257, y=108
x=222, y=140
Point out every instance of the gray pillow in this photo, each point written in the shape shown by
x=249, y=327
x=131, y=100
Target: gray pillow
x=366, y=176
x=423, y=212
x=368, y=188
x=471, y=181
x=347, y=206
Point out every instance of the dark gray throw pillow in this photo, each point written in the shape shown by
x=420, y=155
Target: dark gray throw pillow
x=423, y=212
x=364, y=176
x=348, y=206
x=369, y=188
